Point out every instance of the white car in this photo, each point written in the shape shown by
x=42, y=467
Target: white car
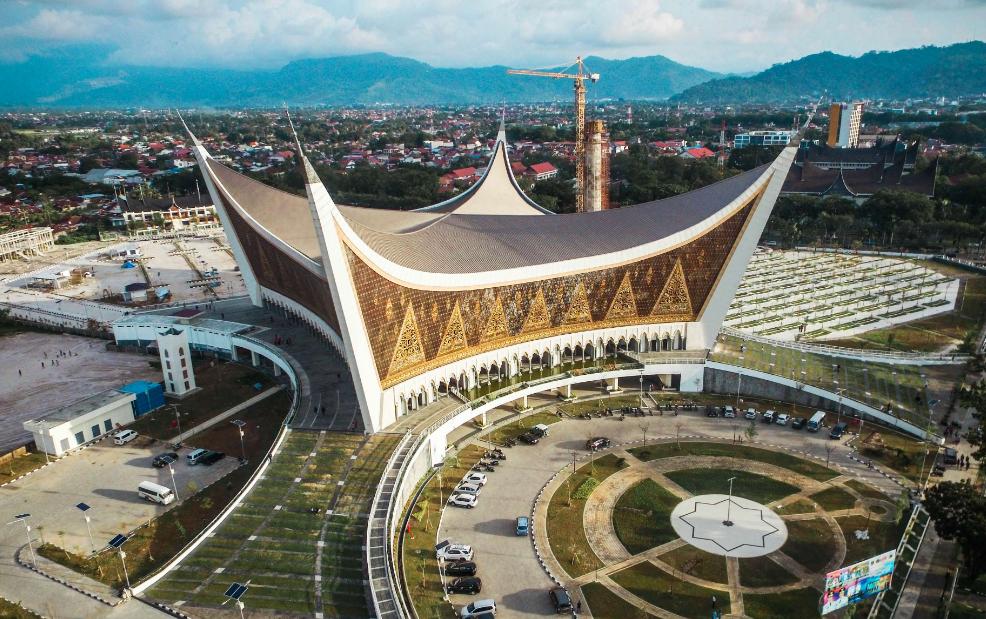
x=751, y=413
x=768, y=416
x=479, y=608
x=477, y=479
x=729, y=412
x=124, y=436
x=463, y=500
x=464, y=488
x=782, y=419
x=454, y=552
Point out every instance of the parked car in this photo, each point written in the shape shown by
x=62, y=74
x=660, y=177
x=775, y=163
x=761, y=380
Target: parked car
x=729, y=412
x=163, y=460
x=124, y=436
x=195, y=456
x=751, y=413
x=463, y=500
x=464, y=488
x=477, y=608
x=782, y=419
x=478, y=479
x=211, y=458
x=599, y=442
x=529, y=437
x=711, y=411
x=470, y=585
x=797, y=423
x=452, y=552
x=768, y=416
x=460, y=568
x=837, y=431
x=561, y=601
x=523, y=525
x=950, y=456
x=540, y=429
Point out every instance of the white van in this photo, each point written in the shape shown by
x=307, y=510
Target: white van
x=155, y=493
x=194, y=456
x=816, y=421
x=124, y=436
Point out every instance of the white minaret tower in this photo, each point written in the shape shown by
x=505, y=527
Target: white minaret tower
x=176, y=363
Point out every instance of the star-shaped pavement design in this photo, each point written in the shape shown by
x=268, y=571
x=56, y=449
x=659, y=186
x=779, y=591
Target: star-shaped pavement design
x=749, y=526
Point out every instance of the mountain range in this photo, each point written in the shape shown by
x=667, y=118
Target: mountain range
x=921, y=72
x=77, y=77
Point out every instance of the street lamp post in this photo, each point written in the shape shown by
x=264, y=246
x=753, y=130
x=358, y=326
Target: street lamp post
x=641, y=388
x=171, y=470
x=729, y=505
x=27, y=529
x=174, y=407
x=240, y=424
x=85, y=514
x=117, y=543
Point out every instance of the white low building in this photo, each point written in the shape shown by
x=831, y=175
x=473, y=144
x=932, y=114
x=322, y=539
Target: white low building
x=75, y=424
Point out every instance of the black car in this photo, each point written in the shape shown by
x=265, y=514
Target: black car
x=599, y=442
x=529, y=437
x=211, y=458
x=469, y=585
x=712, y=411
x=460, y=568
x=560, y=600
x=837, y=431
x=164, y=460
x=797, y=423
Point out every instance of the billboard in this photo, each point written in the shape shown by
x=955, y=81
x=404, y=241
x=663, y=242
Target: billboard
x=858, y=581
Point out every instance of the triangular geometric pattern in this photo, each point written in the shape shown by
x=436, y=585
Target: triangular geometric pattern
x=674, y=300
x=496, y=324
x=624, y=304
x=454, y=337
x=538, y=316
x=579, y=310
x=407, y=350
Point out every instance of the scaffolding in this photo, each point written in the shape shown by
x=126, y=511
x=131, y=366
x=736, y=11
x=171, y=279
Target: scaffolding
x=25, y=243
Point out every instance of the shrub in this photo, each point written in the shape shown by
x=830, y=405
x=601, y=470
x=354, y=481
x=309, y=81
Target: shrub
x=586, y=488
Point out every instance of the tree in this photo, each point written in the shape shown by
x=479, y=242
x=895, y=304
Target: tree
x=751, y=431
x=959, y=513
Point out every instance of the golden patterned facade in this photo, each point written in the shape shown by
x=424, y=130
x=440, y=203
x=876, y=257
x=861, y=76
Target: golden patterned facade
x=412, y=331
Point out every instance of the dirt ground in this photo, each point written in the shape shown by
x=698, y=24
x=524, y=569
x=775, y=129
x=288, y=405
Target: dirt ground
x=27, y=390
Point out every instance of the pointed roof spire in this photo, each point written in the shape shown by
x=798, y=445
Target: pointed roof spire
x=195, y=140
x=306, y=166
x=501, y=134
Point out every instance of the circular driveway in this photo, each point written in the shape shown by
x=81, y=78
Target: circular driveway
x=511, y=571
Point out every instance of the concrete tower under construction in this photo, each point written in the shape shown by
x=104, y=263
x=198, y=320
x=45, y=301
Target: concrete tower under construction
x=596, y=166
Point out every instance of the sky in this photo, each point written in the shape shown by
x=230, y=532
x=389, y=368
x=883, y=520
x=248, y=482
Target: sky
x=720, y=35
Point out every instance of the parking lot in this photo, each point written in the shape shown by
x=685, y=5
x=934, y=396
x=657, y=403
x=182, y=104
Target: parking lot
x=105, y=477
x=509, y=569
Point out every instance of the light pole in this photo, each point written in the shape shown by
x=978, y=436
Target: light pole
x=839, y=393
x=240, y=424
x=174, y=407
x=234, y=593
x=117, y=543
x=641, y=388
x=27, y=529
x=85, y=514
x=729, y=504
x=171, y=469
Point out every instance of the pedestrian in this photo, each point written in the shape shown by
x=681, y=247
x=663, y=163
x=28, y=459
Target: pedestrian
x=222, y=315
x=578, y=608
x=20, y=373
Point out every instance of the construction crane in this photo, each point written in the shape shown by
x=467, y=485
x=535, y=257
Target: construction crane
x=580, y=77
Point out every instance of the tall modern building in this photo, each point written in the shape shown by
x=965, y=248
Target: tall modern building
x=844, y=121
x=488, y=287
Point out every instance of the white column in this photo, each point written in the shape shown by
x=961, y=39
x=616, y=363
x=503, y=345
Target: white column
x=254, y=358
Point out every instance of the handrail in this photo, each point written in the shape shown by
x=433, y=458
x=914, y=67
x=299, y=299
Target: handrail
x=388, y=534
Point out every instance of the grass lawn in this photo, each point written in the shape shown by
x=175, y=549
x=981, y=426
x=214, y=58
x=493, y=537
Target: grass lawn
x=642, y=516
x=421, y=575
x=957, y=610
x=605, y=604
x=797, y=603
x=222, y=386
x=747, y=485
x=618, y=401
x=564, y=521
x=15, y=467
x=884, y=536
x=9, y=610
x=801, y=506
x=867, y=490
x=810, y=543
x=516, y=428
x=688, y=448
x=153, y=545
x=697, y=563
x=762, y=572
x=650, y=583
x=900, y=453
x=834, y=498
